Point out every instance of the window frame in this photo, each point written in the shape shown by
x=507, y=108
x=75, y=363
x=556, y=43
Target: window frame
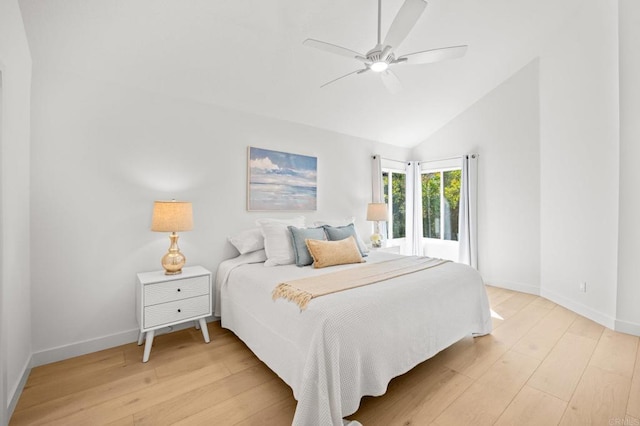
x=389, y=227
x=440, y=167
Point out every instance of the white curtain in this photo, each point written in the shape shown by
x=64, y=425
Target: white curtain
x=414, y=209
x=377, y=191
x=377, y=194
x=468, y=220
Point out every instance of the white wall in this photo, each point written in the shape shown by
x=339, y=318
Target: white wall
x=503, y=129
x=579, y=153
x=3, y=321
x=102, y=153
x=567, y=212
x=629, y=232
x=15, y=306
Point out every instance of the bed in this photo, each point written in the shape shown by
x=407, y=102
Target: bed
x=349, y=344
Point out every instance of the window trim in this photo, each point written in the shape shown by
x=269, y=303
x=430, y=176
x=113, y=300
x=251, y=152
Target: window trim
x=391, y=171
x=441, y=168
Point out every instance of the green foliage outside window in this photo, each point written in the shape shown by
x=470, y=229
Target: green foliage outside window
x=398, y=187
x=440, y=203
x=431, y=205
x=398, y=207
x=438, y=211
x=452, y=200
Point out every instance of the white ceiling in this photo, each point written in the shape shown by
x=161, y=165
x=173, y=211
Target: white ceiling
x=248, y=55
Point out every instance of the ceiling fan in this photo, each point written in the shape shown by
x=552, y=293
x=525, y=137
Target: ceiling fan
x=381, y=57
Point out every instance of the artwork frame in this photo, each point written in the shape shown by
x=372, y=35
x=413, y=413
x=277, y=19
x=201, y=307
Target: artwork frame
x=281, y=181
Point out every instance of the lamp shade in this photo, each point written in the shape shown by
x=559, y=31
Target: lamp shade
x=172, y=216
x=377, y=212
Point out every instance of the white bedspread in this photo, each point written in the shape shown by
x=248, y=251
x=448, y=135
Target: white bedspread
x=349, y=344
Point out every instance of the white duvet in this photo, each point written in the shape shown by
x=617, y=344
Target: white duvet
x=352, y=343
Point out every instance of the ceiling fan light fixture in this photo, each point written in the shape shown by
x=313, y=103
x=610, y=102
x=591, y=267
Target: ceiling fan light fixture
x=382, y=56
x=379, y=66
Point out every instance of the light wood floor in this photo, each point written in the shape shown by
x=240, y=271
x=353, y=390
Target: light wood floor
x=542, y=365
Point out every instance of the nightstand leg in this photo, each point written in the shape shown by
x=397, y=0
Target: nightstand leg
x=147, y=345
x=197, y=323
x=140, y=338
x=205, y=330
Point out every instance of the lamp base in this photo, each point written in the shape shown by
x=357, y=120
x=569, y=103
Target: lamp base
x=173, y=261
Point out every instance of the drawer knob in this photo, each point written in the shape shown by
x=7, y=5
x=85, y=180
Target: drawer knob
x=178, y=290
x=179, y=310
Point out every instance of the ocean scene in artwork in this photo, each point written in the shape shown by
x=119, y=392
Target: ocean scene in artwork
x=281, y=181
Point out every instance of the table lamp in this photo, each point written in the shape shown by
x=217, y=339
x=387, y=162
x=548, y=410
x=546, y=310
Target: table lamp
x=377, y=212
x=172, y=216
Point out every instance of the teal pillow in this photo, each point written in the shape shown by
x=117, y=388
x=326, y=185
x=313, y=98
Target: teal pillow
x=299, y=237
x=337, y=233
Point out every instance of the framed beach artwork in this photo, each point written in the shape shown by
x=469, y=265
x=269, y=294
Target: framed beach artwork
x=281, y=181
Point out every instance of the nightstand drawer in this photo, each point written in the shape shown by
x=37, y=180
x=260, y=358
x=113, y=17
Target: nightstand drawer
x=175, y=290
x=166, y=313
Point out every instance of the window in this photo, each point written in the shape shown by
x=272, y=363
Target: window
x=440, y=204
x=395, y=183
x=431, y=205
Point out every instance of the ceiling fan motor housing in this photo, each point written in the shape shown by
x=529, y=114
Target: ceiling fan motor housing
x=380, y=54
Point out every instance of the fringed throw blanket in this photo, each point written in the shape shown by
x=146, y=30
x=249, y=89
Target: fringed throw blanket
x=303, y=290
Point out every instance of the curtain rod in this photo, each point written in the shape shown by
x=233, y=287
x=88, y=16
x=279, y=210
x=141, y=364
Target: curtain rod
x=426, y=161
x=450, y=158
x=390, y=159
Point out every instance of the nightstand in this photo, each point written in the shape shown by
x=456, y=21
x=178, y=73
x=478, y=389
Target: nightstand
x=165, y=300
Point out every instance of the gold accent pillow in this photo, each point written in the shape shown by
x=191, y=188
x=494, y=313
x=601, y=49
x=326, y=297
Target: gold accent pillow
x=330, y=253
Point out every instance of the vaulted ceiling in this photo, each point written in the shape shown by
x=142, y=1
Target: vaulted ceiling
x=248, y=55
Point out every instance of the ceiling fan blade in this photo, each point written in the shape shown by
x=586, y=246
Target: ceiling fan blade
x=332, y=48
x=341, y=77
x=391, y=82
x=404, y=22
x=434, y=55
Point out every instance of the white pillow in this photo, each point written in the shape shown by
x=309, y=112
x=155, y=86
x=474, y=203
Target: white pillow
x=335, y=222
x=344, y=222
x=257, y=256
x=277, y=239
x=248, y=240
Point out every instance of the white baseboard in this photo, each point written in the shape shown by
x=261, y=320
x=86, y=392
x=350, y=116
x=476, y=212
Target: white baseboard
x=17, y=390
x=587, y=312
x=80, y=348
x=579, y=308
x=59, y=353
x=627, y=327
x=522, y=288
